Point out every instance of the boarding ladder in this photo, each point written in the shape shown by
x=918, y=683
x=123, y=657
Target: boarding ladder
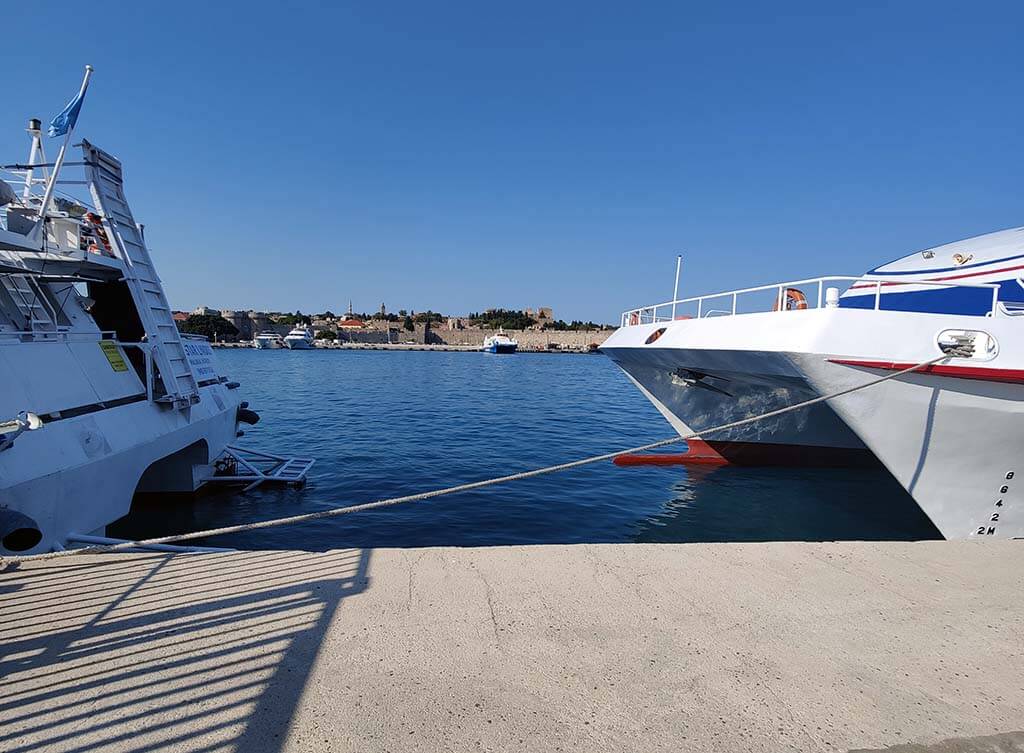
x=106, y=184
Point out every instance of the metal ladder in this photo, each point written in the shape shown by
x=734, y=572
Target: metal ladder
x=30, y=302
x=106, y=184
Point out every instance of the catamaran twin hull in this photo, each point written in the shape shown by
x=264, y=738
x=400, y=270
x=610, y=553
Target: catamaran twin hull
x=79, y=473
x=951, y=434
x=697, y=389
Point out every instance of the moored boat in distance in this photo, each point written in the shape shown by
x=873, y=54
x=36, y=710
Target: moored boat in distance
x=500, y=343
x=268, y=341
x=949, y=433
x=300, y=338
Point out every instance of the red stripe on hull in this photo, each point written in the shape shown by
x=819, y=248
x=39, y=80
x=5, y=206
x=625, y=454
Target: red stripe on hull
x=980, y=373
x=697, y=452
x=757, y=454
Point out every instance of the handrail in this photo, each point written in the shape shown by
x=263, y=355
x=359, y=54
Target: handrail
x=649, y=314
x=60, y=334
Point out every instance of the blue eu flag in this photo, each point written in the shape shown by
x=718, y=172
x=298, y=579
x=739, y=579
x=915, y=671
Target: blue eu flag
x=69, y=115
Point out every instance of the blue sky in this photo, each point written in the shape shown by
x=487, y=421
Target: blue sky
x=462, y=155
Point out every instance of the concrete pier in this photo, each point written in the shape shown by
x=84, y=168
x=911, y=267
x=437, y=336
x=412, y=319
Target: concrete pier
x=760, y=647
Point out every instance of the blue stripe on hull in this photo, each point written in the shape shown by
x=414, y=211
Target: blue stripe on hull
x=967, y=301
x=992, y=262
x=500, y=349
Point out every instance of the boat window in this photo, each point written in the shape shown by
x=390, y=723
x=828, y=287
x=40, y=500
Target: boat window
x=114, y=311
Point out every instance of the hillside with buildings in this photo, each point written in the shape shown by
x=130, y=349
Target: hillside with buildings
x=533, y=328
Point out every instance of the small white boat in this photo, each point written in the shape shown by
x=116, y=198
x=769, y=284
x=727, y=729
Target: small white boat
x=268, y=341
x=300, y=338
x=500, y=343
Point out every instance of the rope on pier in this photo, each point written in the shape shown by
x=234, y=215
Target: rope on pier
x=336, y=511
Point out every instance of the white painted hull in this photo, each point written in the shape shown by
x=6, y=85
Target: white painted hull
x=741, y=381
x=78, y=474
x=955, y=444
x=267, y=344
x=297, y=343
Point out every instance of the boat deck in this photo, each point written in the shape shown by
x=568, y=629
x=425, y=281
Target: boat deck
x=721, y=647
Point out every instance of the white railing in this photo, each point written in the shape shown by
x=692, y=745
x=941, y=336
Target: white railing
x=670, y=310
x=62, y=335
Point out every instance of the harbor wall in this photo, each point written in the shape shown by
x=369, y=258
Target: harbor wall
x=528, y=339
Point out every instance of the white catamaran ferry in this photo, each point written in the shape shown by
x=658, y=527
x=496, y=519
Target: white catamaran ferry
x=949, y=432
x=500, y=343
x=100, y=396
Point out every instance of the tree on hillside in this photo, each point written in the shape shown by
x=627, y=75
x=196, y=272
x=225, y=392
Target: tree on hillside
x=560, y=325
x=502, y=318
x=408, y=324
x=326, y=334
x=428, y=316
x=213, y=327
x=292, y=319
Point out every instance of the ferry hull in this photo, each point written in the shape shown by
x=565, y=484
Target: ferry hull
x=496, y=348
x=78, y=474
x=950, y=436
x=954, y=443
x=697, y=388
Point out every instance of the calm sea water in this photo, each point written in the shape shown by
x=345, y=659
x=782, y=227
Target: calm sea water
x=383, y=424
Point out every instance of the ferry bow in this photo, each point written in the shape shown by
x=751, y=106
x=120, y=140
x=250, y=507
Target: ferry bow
x=949, y=433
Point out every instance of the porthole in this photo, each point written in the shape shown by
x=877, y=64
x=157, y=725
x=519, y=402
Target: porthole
x=654, y=335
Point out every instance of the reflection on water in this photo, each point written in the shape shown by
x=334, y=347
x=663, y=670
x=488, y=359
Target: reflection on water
x=386, y=424
x=731, y=504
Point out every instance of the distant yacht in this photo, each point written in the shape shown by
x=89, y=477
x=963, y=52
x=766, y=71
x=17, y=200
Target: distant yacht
x=300, y=338
x=500, y=343
x=268, y=341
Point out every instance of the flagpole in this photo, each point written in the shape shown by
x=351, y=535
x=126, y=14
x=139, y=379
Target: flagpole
x=52, y=183
x=675, y=290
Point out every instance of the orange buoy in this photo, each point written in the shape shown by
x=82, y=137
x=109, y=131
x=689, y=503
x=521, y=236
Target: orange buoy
x=795, y=300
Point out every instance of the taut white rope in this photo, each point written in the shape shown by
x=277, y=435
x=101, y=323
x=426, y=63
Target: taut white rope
x=336, y=511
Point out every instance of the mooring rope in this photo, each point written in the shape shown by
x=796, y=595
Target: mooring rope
x=336, y=511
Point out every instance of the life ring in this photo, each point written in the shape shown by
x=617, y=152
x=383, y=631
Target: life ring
x=795, y=300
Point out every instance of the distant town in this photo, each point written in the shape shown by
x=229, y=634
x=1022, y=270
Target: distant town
x=536, y=329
